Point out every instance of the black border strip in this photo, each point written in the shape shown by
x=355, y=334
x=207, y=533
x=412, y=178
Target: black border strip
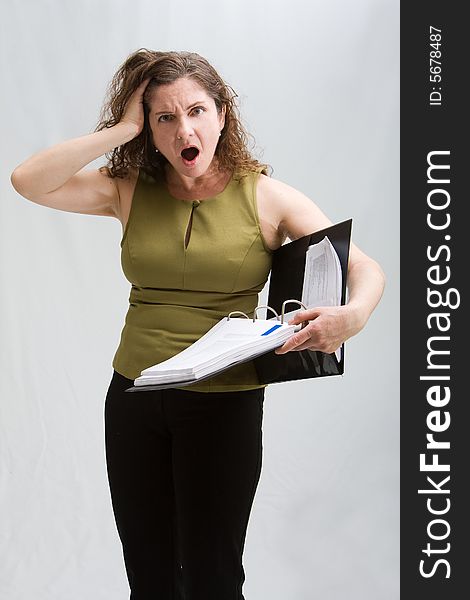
x=433, y=262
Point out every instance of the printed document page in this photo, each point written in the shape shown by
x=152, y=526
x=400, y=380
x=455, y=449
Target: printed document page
x=322, y=278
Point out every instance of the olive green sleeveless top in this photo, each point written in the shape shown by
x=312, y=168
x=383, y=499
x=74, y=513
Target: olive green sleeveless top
x=190, y=264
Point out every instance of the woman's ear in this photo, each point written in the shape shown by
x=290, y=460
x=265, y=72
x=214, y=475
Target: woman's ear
x=222, y=117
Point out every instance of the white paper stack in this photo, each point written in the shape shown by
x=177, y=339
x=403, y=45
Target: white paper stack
x=322, y=278
x=230, y=341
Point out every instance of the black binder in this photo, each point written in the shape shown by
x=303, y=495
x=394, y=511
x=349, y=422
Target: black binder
x=286, y=283
x=287, y=276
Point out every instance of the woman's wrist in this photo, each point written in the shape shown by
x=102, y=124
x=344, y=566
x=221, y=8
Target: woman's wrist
x=128, y=130
x=358, y=316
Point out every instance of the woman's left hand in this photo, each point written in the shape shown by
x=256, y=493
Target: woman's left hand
x=328, y=328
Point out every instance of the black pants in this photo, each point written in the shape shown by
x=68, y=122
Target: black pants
x=183, y=469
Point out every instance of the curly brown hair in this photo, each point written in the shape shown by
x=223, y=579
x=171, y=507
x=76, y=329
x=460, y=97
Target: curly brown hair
x=163, y=68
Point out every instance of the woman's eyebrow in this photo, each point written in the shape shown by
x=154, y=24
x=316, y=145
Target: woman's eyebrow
x=165, y=112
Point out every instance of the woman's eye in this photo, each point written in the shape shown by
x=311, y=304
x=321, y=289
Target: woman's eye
x=199, y=110
x=164, y=118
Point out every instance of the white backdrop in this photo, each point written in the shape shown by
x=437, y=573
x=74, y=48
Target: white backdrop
x=319, y=85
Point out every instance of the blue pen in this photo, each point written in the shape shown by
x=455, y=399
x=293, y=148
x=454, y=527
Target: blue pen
x=271, y=330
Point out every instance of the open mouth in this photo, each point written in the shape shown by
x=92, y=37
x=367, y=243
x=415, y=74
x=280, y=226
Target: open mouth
x=189, y=155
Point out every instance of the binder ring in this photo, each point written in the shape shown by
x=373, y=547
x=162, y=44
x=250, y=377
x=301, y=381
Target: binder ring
x=237, y=312
x=287, y=302
x=268, y=308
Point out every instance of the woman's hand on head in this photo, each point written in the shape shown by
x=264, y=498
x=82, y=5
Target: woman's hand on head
x=328, y=327
x=134, y=112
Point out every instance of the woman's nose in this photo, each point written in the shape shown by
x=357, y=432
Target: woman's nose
x=184, y=129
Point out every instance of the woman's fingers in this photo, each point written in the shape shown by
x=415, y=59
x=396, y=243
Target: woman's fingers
x=300, y=338
x=326, y=332
x=305, y=315
x=134, y=112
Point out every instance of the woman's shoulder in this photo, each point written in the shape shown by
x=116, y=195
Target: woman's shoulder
x=294, y=213
x=276, y=194
x=278, y=189
x=282, y=195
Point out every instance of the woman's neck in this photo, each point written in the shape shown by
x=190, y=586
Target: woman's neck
x=196, y=188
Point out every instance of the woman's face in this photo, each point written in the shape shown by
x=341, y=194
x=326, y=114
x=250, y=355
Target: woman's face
x=182, y=116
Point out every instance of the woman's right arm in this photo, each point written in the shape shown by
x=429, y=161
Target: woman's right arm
x=55, y=176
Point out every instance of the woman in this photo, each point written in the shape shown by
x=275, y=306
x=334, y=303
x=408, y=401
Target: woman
x=200, y=219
